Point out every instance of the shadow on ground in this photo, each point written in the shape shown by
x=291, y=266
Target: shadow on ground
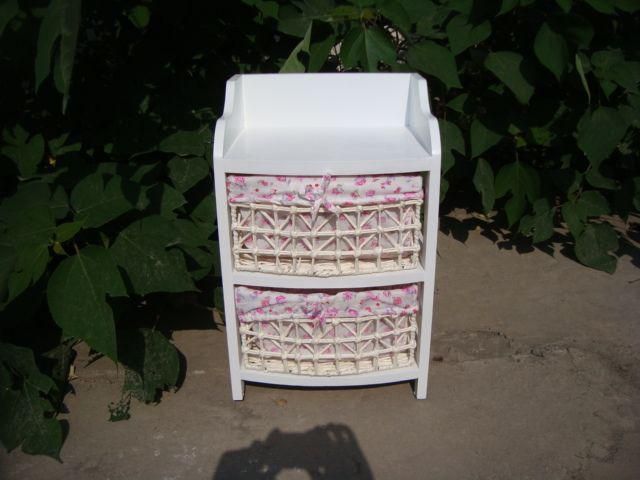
x=325, y=452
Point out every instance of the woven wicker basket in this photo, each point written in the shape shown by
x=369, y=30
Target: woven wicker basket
x=343, y=346
x=347, y=241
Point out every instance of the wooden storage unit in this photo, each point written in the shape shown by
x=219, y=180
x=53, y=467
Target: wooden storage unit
x=327, y=126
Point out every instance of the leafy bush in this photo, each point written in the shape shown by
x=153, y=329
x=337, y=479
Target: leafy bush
x=107, y=214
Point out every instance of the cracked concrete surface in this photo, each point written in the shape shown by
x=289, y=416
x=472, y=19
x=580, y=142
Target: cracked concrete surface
x=535, y=376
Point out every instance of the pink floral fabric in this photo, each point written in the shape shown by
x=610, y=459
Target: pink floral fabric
x=261, y=305
x=327, y=191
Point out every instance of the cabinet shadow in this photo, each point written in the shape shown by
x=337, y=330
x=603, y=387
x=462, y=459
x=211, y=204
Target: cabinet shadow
x=325, y=452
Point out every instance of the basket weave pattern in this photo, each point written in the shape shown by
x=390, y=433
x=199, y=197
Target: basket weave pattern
x=346, y=241
x=340, y=346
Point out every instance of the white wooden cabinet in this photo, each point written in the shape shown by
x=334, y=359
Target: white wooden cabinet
x=337, y=124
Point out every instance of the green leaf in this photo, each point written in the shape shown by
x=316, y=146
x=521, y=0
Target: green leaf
x=31, y=263
x=205, y=211
x=70, y=11
x=97, y=202
x=540, y=225
x=66, y=231
x=142, y=250
x=312, y=51
x=523, y=181
x=140, y=16
x=596, y=179
x=152, y=363
x=367, y=47
x=482, y=138
x=508, y=66
x=28, y=216
x=433, y=59
x=292, y=64
x=552, y=51
x=431, y=17
x=50, y=30
x=462, y=34
x=25, y=419
x=602, y=6
x=8, y=10
x=565, y=5
x=166, y=199
x=30, y=225
x=451, y=140
x=576, y=29
x=583, y=79
x=626, y=74
x=590, y=204
x=484, y=182
x=58, y=148
x=59, y=203
x=27, y=155
x=396, y=12
x=77, y=296
x=21, y=361
x=573, y=218
x=594, y=245
x=599, y=132
x=185, y=143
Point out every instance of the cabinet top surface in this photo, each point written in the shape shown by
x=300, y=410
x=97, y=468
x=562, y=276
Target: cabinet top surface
x=326, y=150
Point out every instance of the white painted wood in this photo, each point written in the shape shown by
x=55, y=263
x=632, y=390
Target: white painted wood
x=371, y=378
x=341, y=124
x=429, y=251
x=315, y=151
x=381, y=279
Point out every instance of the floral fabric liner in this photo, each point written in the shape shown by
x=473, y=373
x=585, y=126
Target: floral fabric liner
x=263, y=305
x=327, y=191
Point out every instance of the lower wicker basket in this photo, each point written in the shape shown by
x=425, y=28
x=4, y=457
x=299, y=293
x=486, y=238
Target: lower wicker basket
x=326, y=334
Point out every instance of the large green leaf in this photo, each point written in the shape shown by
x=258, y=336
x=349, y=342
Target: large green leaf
x=293, y=64
x=594, y=245
x=552, y=51
x=451, y=140
x=482, y=138
x=186, y=142
x=77, y=295
x=599, y=132
x=523, y=181
x=395, y=11
x=142, y=251
x=61, y=21
x=311, y=53
x=26, y=413
x=151, y=360
x=508, y=67
x=589, y=204
x=463, y=34
x=70, y=23
x=29, y=221
x=433, y=59
x=26, y=154
x=185, y=172
x=367, y=47
x=98, y=199
x=539, y=226
x=576, y=29
x=484, y=182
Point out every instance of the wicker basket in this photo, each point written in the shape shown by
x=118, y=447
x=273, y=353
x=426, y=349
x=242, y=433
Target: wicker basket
x=346, y=241
x=304, y=343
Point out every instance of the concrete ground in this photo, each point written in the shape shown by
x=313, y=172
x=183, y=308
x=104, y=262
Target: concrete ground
x=535, y=376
